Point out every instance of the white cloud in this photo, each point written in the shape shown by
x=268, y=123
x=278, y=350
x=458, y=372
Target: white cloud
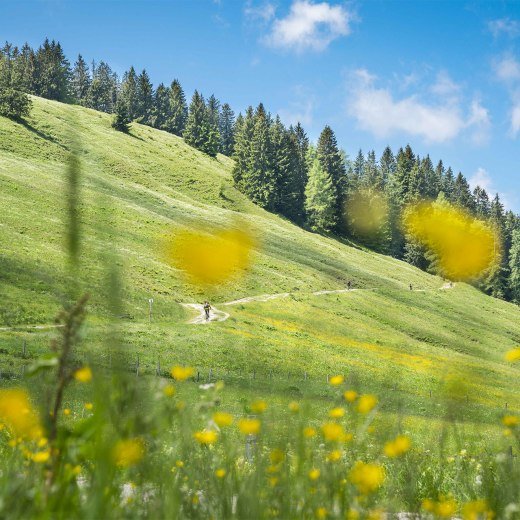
x=481, y=178
x=508, y=72
x=505, y=26
x=301, y=108
x=379, y=112
x=264, y=12
x=309, y=26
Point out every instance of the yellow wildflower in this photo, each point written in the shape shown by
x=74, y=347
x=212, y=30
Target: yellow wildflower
x=273, y=481
x=89, y=406
x=41, y=456
x=367, y=477
x=337, y=413
x=376, y=514
x=309, y=432
x=211, y=259
x=83, y=374
x=314, y=474
x=276, y=456
x=513, y=355
x=353, y=514
x=249, y=426
x=366, y=403
x=182, y=373
x=294, y=407
x=350, y=396
x=511, y=420
x=18, y=414
x=179, y=463
x=476, y=510
x=321, y=512
x=446, y=508
x=220, y=473
x=258, y=406
x=128, y=452
x=206, y=437
x=66, y=411
x=334, y=456
x=169, y=390
x=336, y=380
x=400, y=445
x=222, y=419
x=333, y=432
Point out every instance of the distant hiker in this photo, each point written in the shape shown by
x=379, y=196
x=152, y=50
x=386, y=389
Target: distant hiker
x=411, y=287
x=207, y=308
x=349, y=285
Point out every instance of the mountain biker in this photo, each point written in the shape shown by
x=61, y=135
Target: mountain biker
x=349, y=285
x=207, y=308
x=411, y=287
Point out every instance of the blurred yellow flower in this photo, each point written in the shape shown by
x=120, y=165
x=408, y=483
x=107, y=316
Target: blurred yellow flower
x=128, y=452
x=222, y=419
x=169, y=390
x=314, y=474
x=511, y=420
x=366, y=403
x=66, y=411
x=182, y=373
x=336, y=380
x=513, y=355
x=41, y=456
x=367, y=477
x=400, y=445
x=446, y=508
x=83, y=374
x=353, y=514
x=334, y=456
x=294, y=407
x=337, y=413
x=220, y=473
x=18, y=414
x=258, y=406
x=333, y=432
x=206, y=437
x=179, y=463
x=211, y=259
x=366, y=212
x=321, y=512
x=89, y=406
x=273, y=481
x=476, y=510
x=249, y=426
x=464, y=245
x=350, y=396
x=276, y=456
x=309, y=431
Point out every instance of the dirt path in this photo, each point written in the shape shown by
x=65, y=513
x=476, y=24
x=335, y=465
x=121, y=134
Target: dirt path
x=33, y=327
x=214, y=314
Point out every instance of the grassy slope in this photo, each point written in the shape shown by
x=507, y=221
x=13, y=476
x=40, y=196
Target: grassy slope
x=137, y=188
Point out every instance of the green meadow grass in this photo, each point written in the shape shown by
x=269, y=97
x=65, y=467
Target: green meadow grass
x=136, y=189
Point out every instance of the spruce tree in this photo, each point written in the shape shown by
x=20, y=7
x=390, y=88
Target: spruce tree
x=226, y=129
x=81, y=81
x=213, y=107
x=481, y=202
x=178, y=109
x=102, y=94
x=53, y=72
x=144, y=99
x=242, y=152
x=320, y=198
x=448, y=184
x=387, y=165
x=212, y=145
x=514, y=267
x=161, y=108
x=198, y=132
x=14, y=103
x=121, y=119
x=128, y=92
x=462, y=195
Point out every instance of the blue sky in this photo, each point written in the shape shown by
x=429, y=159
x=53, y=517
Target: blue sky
x=443, y=76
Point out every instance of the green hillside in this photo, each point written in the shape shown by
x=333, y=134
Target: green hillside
x=137, y=188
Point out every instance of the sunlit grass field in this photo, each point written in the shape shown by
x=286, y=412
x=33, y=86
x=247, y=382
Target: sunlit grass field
x=434, y=356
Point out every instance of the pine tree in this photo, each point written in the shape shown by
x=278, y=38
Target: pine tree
x=242, y=152
x=198, y=132
x=213, y=107
x=14, y=103
x=102, y=94
x=481, y=202
x=514, y=267
x=213, y=116
x=462, y=195
x=161, y=108
x=387, y=165
x=128, y=92
x=430, y=178
x=81, y=80
x=121, y=119
x=178, y=109
x=144, y=99
x=226, y=128
x=320, y=199
x=448, y=184
x=24, y=69
x=52, y=72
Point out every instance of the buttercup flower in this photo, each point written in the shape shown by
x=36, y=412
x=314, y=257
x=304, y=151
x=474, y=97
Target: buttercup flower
x=83, y=374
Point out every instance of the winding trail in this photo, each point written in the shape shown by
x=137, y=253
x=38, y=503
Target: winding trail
x=217, y=315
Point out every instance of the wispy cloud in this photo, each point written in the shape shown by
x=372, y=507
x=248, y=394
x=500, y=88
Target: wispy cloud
x=507, y=70
x=309, y=26
x=504, y=26
x=437, y=120
x=264, y=12
x=482, y=178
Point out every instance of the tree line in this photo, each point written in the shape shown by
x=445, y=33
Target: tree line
x=276, y=166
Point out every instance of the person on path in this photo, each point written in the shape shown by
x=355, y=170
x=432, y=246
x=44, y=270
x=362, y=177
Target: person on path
x=349, y=285
x=207, y=308
x=411, y=287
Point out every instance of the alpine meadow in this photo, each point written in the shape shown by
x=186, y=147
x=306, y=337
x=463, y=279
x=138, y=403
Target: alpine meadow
x=209, y=311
